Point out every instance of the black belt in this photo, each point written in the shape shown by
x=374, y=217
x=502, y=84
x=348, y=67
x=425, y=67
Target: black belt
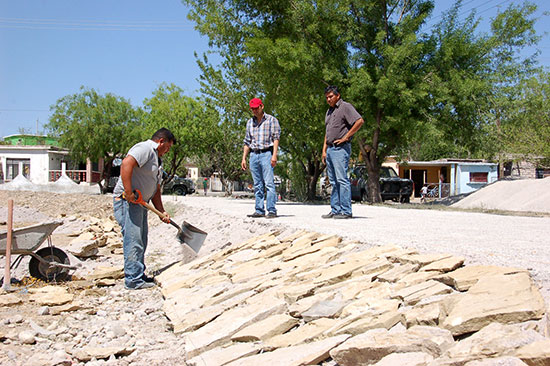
x=336, y=145
x=259, y=151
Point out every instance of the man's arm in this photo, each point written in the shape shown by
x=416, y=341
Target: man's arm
x=274, y=157
x=246, y=150
x=324, y=155
x=356, y=126
x=126, y=171
x=157, y=202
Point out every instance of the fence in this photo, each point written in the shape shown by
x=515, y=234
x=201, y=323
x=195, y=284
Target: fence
x=76, y=175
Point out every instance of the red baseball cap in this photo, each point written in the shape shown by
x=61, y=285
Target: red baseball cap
x=255, y=102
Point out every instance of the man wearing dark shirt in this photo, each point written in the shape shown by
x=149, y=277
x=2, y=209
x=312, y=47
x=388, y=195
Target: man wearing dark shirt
x=341, y=121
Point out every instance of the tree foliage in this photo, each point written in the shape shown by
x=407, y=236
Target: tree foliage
x=184, y=116
x=526, y=131
x=423, y=92
x=95, y=126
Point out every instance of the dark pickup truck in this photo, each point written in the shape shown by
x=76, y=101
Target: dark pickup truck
x=392, y=187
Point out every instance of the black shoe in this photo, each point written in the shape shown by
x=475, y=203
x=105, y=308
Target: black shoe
x=142, y=286
x=256, y=214
x=271, y=215
x=330, y=215
x=342, y=216
x=148, y=279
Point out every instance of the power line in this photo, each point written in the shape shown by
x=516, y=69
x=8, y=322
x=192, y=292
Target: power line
x=468, y=11
x=23, y=110
x=102, y=25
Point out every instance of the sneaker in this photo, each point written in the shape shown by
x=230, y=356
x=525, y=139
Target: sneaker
x=342, y=216
x=142, y=286
x=147, y=278
x=330, y=215
x=256, y=214
x=271, y=215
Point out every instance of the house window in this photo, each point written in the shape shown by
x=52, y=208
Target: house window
x=12, y=168
x=478, y=177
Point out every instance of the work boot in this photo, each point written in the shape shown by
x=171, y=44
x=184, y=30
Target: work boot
x=330, y=215
x=256, y=214
x=342, y=216
x=271, y=215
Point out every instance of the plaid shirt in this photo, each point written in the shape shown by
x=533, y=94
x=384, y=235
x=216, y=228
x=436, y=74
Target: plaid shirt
x=261, y=135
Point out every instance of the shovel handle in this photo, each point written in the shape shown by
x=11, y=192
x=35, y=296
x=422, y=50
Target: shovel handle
x=139, y=199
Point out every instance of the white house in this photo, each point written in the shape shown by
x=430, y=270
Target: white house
x=37, y=162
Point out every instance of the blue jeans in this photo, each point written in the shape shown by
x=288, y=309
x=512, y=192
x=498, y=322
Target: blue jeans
x=262, y=173
x=132, y=218
x=337, y=170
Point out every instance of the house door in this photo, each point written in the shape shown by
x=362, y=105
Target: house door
x=419, y=178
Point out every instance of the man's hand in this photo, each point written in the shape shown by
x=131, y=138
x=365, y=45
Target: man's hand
x=343, y=140
x=324, y=157
x=166, y=217
x=129, y=196
x=274, y=161
x=243, y=164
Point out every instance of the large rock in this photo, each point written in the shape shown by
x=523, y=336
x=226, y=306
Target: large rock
x=220, y=330
x=494, y=340
x=536, y=353
x=509, y=298
x=304, y=354
x=265, y=329
x=224, y=355
x=463, y=278
x=370, y=347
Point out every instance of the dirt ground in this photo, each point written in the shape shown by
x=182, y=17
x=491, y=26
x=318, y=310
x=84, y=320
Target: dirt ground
x=507, y=240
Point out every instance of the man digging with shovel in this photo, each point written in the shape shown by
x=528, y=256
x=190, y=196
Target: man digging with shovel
x=140, y=170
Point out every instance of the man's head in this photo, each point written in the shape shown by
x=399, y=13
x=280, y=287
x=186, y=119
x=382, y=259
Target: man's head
x=165, y=139
x=332, y=95
x=257, y=107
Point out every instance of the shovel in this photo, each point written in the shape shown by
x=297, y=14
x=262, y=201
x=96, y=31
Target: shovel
x=189, y=235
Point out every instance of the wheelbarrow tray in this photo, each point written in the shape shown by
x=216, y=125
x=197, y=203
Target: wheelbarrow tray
x=26, y=239
x=49, y=263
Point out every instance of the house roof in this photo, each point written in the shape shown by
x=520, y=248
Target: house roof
x=446, y=162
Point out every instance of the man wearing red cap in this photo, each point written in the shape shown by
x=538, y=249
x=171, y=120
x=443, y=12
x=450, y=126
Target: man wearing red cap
x=262, y=142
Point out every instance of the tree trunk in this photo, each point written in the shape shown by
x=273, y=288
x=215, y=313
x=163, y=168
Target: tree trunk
x=313, y=172
x=370, y=154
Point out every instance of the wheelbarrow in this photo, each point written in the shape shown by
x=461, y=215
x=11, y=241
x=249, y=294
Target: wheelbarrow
x=48, y=263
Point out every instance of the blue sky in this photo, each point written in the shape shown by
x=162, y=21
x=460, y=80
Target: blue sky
x=49, y=48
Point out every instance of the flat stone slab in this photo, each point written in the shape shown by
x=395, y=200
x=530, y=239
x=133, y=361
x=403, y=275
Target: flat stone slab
x=220, y=330
x=265, y=329
x=224, y=355
x=511, y=298
x=373, y=345
x=463, y=278
x=304, y=354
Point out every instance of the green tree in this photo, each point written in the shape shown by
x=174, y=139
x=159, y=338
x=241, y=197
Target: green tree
x=526, y=131
x=95, y=126
x=409, y=82
x=283, y=52
x=184, y=116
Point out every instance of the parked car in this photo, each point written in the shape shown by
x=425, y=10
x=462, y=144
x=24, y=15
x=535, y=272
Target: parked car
x=179, y=186
x=392, y=187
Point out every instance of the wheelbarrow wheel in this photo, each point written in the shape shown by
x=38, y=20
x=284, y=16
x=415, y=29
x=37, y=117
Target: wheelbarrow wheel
x=46, y=272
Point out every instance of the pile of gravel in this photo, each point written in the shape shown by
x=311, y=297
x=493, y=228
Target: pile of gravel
x=527, y=195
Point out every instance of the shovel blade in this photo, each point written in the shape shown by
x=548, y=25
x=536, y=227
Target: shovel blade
x=192, y=236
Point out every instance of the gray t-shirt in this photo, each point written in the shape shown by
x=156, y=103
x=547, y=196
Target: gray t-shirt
x=147, y=175
x=339, y=120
